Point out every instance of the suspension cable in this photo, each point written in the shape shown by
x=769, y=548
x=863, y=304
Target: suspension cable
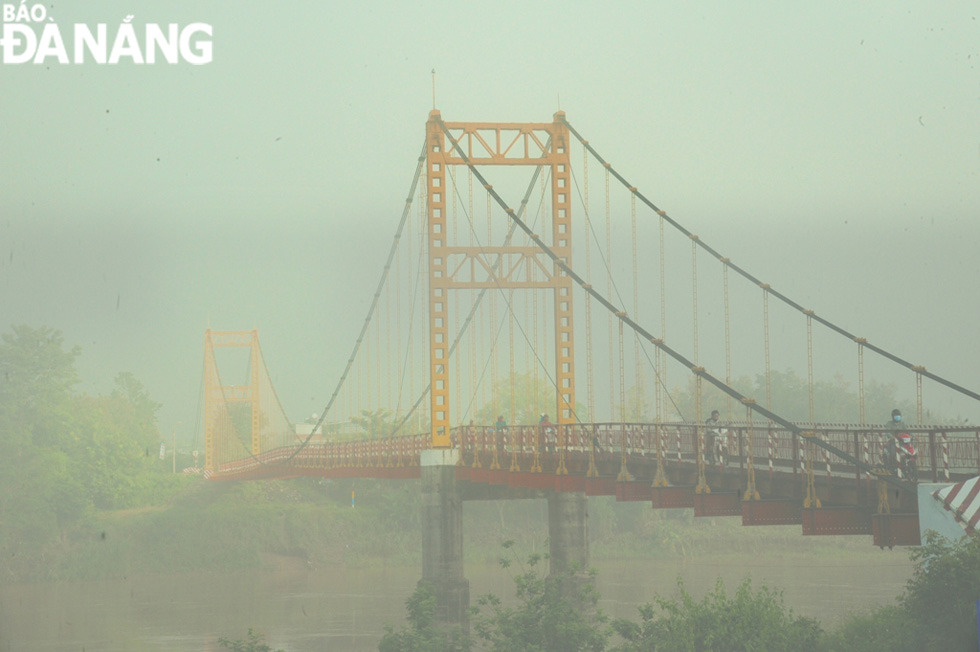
x=661, y=356
x=809, y=363
x=834, y=327
x=700, y=372
x=479, y=298
x=609, y=288
x=588, y=297
x=457, y=360
x=493, y=320
x=860, y=343
x=694, y=285
x=728, y=340
x=374, y=304
x=638, y=368
x=765, y=330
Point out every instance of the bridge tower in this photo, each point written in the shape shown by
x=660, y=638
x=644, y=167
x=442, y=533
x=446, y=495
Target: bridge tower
x=496, y=267
x=217, y=396
x=491, y=267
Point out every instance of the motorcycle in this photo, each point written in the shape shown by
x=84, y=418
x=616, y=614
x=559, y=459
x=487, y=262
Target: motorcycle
x=901, y=453
x=716, y=446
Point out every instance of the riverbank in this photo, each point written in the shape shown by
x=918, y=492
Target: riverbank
x=218, y=527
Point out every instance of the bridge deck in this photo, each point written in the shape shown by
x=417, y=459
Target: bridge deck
x=622, y=460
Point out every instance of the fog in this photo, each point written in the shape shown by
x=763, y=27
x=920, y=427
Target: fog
x=833, y=153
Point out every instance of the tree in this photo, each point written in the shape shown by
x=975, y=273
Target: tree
x=64, y=453
x=36, y=380
x=423, y=633
x=554, y=613
x=252, y=642
x=749, y=620
x=935, y=612
x=942, y=595
x=883, y=629
x=40, y=494
x=531, y=398
x=133, y=403
x=834, y=401
x=116, y=438
x=376, y=425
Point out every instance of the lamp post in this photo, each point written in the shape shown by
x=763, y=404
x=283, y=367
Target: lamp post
x=175, y=448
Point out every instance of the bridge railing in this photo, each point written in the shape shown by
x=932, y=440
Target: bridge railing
x=943, y=451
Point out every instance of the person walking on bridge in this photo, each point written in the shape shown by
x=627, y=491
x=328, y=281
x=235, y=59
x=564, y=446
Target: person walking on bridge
x=547, y=432
x=499, y=432
x=711, y=434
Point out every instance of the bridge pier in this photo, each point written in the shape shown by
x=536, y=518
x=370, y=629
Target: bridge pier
x=442, y=536
x=568, y=531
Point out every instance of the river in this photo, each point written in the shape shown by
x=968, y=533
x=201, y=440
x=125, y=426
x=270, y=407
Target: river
x=343, y=609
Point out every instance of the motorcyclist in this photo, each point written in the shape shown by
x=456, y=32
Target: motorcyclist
x=895, y=423
x=899, y=450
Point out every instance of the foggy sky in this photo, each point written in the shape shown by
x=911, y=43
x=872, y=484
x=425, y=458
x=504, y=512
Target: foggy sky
x=833, y=151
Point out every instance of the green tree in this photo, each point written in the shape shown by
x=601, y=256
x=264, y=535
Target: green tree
x=134, y=407
x=37, y=377
x=937, y=610
x=748, y=621
x=531, y=398
x=116, y=437
x=377, y=424
x=554, y=613
x=40, y=496
x=886, y=628
x=835, y=401
x=423, y=633
x=64, y=453
x=252, y=642
x=942, y=595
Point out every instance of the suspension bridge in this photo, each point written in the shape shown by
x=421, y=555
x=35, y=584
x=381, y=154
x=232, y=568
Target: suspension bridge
x=470, y=345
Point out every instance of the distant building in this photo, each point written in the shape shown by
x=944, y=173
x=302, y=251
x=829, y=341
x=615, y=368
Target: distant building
x=303, y=430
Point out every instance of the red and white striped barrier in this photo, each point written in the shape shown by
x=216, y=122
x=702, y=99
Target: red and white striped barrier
x=772, y=451
x=945, y=458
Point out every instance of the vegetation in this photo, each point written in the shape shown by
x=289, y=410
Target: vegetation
x=82, y=494
x=521, y=399
x=937, y=611
x=424, y=633
x=835, y=401
x=66, y=455
x=559, y=613
x=749, y=620
x=553, y=612
x=252, y=642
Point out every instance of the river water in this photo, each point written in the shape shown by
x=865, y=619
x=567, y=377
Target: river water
x=343, y=609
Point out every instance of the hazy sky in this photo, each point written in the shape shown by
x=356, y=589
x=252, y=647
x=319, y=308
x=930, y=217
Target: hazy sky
x=833, y=151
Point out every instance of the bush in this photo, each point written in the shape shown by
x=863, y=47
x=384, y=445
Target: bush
x=749, y=620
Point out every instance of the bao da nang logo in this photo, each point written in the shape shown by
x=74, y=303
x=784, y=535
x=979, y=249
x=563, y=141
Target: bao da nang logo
x=31, y=35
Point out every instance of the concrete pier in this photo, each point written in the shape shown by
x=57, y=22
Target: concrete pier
x=442, y=536
x=568, y=531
